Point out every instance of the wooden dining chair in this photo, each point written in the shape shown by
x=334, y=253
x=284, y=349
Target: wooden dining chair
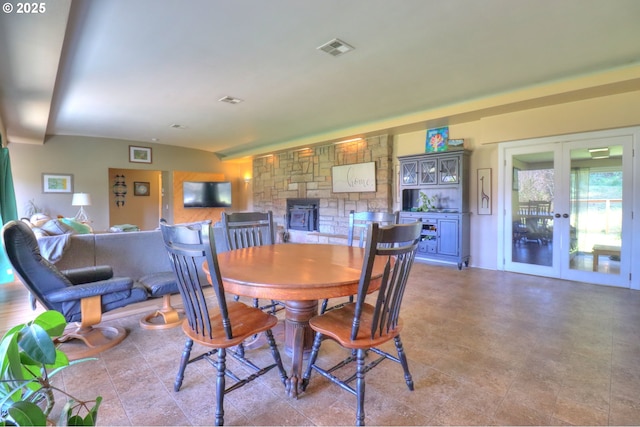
x=358, y=223
x=362, y=327
x=222, y=328
x=248, y=229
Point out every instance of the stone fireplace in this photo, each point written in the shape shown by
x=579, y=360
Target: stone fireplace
x=303, y=214
x=304, y=178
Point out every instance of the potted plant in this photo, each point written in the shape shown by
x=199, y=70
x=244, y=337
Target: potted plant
x=28, y=360
x=427, y=202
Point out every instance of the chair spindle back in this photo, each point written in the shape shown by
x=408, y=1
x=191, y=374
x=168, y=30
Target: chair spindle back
x=247, y=229
x=396, y=245
x=358, y=222
x=188, y=247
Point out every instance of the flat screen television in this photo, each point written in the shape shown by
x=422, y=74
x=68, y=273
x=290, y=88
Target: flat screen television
x=206, y=194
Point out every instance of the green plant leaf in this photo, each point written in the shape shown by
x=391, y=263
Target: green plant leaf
x=51, y=321
x=10, y=368
x=37, y=344
x=93, y=413
x=27, y=414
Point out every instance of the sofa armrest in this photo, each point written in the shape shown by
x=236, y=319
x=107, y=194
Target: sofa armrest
x=81, y=275
x=102, y=287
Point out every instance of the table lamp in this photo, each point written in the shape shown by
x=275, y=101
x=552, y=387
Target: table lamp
x=82, y=200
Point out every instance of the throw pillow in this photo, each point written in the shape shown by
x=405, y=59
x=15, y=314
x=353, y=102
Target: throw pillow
x=78, y=227
x=55, y=227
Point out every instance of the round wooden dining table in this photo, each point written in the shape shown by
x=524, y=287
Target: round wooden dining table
x=298, y=275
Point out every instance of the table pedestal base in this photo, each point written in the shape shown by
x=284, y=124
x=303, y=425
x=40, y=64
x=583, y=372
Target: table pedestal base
x=298, y=338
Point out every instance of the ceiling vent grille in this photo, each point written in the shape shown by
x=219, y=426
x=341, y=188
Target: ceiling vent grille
x=336, y=47
x=230, y=100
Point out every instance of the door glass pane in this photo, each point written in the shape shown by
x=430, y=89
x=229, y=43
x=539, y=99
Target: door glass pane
x=596, y=209
x=532, y=208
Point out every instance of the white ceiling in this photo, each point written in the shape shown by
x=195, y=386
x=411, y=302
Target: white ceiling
x=131, y=69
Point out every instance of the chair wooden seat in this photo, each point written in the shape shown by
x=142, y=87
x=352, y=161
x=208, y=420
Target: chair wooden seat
x=337, y=324
x=246, y=321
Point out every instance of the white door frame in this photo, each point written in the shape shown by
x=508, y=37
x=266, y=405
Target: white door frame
x=632, y=246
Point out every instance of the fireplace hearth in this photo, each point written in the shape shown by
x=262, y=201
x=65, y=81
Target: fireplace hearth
x=302, y=214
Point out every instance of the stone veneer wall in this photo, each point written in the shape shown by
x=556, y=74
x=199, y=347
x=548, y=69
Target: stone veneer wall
x=307, y=174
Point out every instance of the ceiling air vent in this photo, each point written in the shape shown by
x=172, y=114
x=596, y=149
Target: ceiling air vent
x=230, y=100
x=336, y=47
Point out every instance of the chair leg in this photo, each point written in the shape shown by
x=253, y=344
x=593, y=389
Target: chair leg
x=360, y=386
x=312, y=360
x=186, y=353
x=276, y=356
x=323, y=308
x=403, y=361
x=220, y=385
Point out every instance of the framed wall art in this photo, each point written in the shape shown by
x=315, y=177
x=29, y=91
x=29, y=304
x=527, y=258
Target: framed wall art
x=141, y=188
x=354, y=178
x=57, y=183
x=139, y=154
x=484, y=191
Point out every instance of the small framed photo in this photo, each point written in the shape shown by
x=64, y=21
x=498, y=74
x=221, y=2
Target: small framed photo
x=139, y=154
x=57, y=183
x=141, y=188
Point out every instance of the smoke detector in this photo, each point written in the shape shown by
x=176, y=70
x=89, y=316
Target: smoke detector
x=230, y=100
x=336, y=47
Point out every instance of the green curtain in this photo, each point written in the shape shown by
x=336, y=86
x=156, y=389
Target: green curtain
x=8, y=209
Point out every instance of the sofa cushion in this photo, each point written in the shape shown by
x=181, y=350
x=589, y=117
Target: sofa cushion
x=133, y=254
x=56, y=227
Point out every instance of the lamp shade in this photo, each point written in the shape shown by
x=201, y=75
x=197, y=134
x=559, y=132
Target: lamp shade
x=81, y=199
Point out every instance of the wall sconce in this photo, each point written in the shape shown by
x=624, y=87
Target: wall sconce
x=247, y=179
x=82, y=200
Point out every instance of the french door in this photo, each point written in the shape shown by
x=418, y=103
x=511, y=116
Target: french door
x=568, y=205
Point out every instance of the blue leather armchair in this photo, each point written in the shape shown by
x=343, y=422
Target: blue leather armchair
x=81, y=295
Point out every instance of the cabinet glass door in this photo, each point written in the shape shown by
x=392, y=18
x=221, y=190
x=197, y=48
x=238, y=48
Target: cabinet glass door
x=409, y=173
x=428, y=175
x=449, y=171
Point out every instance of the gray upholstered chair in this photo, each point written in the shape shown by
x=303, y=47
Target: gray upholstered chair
x=81, y=295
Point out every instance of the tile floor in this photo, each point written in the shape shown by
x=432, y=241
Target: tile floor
x=484, y=347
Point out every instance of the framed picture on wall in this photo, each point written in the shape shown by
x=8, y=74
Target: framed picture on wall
x=57, y=183
x=141, y=188
x=484, y=191
x=139, y=154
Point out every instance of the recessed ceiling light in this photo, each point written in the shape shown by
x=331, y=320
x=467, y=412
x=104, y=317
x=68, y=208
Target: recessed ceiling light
x=336, y=47
x=230, y=100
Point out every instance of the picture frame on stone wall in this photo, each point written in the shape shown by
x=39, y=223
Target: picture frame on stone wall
x=354, y=178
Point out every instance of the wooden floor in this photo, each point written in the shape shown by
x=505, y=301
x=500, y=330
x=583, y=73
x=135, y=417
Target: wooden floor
x=484, y=348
